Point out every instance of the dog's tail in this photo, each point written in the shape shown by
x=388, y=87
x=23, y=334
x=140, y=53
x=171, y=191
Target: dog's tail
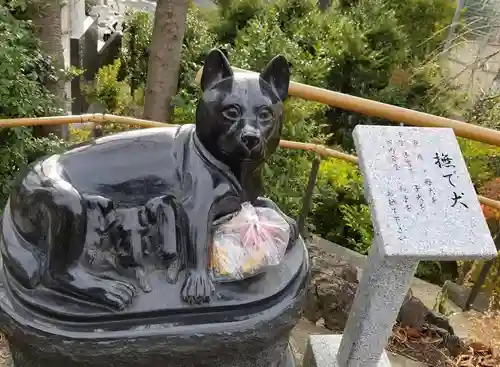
x=44, y=224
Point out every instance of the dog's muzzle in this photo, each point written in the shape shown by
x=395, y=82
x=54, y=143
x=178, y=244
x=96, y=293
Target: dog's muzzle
x=252, y=142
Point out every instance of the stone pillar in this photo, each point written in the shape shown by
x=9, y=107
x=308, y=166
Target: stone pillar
x=83, y=52
x=66, y=43
x=77, y=16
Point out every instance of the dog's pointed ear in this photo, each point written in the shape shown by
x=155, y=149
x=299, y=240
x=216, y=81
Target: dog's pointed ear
x=277, y=74
x=215, y=69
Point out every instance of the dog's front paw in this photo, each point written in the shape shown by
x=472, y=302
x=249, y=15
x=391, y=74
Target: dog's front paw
x=106, y=291
x=173, y=270
x=119, y=295
x=198, y=287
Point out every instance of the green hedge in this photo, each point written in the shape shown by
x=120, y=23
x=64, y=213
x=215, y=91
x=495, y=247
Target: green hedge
x=24, y=71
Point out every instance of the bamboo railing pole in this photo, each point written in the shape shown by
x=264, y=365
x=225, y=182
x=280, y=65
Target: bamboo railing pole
x=73, y=119
x=489, y=202
x=53, y=120
x=134, y=121
x=377, y=109
x=319, y=149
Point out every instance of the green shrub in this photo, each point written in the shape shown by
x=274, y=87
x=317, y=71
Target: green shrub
x=78, y=135
x=486, y=112
x=115, y=96
x=235, y=15
x=339, y=212
x=286, y=173
x=24, y=71
x=384, y=65
x=138, y=30
x=432, y=18
x=483, y=160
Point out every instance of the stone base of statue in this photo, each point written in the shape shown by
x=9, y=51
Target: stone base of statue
x=249, y=325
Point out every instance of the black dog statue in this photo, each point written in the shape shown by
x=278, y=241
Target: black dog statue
x=96, y=220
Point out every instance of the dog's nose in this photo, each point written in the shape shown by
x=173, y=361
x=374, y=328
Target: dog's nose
x=251, y=141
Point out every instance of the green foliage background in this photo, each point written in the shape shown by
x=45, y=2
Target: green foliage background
x=24, y=70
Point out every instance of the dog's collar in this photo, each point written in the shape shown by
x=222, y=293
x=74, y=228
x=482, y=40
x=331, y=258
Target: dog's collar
x=211, y=160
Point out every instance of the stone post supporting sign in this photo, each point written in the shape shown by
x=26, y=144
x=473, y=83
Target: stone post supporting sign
x=423, y=207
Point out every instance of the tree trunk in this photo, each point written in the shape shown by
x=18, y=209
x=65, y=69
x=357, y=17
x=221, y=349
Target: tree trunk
x=48, y=26
x=165, y=58
x=324, y=4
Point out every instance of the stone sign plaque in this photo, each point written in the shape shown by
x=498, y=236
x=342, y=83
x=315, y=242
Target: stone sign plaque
x=421, y=196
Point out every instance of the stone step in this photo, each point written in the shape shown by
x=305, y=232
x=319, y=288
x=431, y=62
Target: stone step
x=300, y=335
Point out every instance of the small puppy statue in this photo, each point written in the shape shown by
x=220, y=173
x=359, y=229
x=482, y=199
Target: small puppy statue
x=129, y=199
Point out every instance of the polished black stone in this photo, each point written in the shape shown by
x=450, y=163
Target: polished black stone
x=245, y=335
x=106, y=247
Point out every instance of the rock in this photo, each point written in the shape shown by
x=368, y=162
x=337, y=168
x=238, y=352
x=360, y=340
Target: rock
x=454, y=345
x=459, y=294
x=415, y=314
x=332, y=289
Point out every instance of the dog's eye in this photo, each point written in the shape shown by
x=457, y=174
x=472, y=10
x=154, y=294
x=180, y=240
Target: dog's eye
x=265, y=114
x=231, y=112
